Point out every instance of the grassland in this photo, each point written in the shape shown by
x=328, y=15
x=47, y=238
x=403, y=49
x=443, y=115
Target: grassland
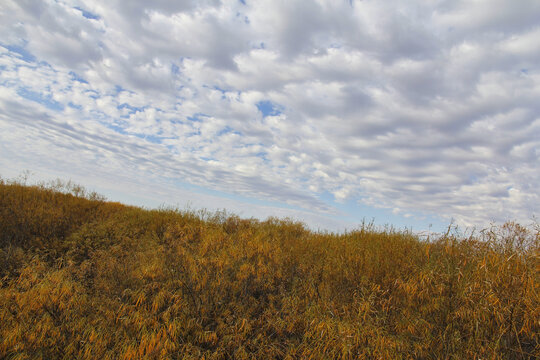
x=90, y=279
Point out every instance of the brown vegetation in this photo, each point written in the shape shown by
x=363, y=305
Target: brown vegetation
x=84, y=278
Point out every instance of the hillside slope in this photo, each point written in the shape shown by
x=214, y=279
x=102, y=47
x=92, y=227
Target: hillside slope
x=84, y=278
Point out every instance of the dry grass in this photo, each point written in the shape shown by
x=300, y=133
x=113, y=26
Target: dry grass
x=89, y=279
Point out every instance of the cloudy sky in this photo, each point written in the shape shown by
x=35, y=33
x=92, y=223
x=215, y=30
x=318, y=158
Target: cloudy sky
x=410, y=112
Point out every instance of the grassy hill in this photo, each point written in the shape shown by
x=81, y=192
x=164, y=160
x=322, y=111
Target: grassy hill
x=90, y=279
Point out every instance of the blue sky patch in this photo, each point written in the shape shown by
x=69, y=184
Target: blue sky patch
x=92, y=94
x=76, y=77
x=154, y=139
x=74, y=106
x=132, y=109
x=268, y=108
x=88, y=14
x=197, y=117
x=21, y=51
x=116, y=128
x=40, y=99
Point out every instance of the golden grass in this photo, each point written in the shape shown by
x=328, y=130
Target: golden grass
x=89, y=279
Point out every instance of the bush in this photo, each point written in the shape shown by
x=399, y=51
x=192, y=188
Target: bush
x=85, y=278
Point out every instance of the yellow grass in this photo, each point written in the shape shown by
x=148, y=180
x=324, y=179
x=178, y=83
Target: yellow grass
x=89, y=279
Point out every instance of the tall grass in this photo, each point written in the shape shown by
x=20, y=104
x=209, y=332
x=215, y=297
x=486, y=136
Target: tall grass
x=85, y=278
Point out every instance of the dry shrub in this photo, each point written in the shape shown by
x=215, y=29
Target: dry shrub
x=84, y=278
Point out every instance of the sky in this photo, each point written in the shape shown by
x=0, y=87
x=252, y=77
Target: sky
x=415, y=114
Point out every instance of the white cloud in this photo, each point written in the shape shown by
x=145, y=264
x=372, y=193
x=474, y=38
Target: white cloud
x=410, y=106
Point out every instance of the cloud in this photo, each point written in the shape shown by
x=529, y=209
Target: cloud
x=406, y=106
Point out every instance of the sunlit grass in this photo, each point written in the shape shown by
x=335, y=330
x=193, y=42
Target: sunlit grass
x=84, y=278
